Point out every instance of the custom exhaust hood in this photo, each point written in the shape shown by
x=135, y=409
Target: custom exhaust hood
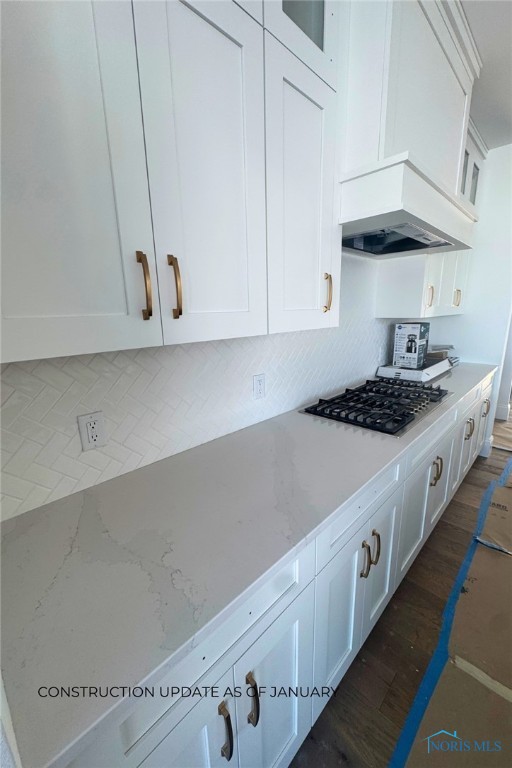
x=393, y=208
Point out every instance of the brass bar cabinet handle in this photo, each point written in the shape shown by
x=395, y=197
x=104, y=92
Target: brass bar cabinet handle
x=328, y=277
x=227, y=749
x=368, y=555
x=173, y=262
x=457, y=297
x=487, y=407
x=435, y=481
x=141, y=257
x=376, y=535
x=254, y=715
x=430, y=295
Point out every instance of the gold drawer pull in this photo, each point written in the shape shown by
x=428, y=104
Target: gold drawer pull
x=435, y=481
x=376, y=535
x=254, y=715
x=471, y=423
x=328, y=277
x=227, y=749
x=457, y=297
x=173, y=262
x=141, y=257
x=368, y=560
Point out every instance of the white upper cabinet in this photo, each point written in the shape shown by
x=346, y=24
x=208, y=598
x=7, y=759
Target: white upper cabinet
x=308, y=28
x=75, y=203
x=303, y=238
x=474, y=159
x=201, y=73
x=454, y=282
x=411, y=67
x=253, y=7
x=427, y=102
x=430, y=285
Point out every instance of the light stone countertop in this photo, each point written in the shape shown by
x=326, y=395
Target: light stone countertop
x=106, y=585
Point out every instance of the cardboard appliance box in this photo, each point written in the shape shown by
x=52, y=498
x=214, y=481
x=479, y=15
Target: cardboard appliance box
x=411, y=343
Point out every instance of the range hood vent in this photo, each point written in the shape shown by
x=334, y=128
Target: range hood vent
x=403, y=237
x=394, y=209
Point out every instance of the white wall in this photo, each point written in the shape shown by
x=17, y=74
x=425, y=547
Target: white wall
x=480, y=334
x=503, y=407
x=161, y=401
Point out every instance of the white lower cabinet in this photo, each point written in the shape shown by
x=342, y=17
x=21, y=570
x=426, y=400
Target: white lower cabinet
x=264, y=708
x=383, y=531
x=351, y=593
x=425, y=495
x=469, y=438
x=273, y=724
x=485, y=407
x=205, y=738
x=261, y=713
x=338, y=615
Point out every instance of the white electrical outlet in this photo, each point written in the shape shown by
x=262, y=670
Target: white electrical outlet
x=92, y=430
x=258, y=386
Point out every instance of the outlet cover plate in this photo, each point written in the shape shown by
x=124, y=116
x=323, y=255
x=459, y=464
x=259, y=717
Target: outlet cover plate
x=258, y=386
x=92, y=430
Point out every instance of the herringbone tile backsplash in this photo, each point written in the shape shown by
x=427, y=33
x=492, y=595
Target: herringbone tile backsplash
x=160, y=401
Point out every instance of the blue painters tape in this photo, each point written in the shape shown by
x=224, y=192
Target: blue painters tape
x=440, y=657
x=506, y=472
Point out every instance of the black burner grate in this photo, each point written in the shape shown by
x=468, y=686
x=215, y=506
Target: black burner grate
x=379, y=405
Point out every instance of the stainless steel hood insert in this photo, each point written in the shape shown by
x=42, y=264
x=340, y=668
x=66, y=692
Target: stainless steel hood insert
x=403, y=237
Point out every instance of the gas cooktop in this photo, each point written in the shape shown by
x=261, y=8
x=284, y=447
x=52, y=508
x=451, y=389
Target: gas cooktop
x=381, y=405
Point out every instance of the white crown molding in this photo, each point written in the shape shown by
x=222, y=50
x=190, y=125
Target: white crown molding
x=475, y=134
x=455, y=12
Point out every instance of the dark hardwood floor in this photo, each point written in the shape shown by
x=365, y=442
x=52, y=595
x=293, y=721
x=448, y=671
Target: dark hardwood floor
x=360, y=726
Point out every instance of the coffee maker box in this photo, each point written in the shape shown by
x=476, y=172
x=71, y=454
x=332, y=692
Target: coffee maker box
x=411, y=342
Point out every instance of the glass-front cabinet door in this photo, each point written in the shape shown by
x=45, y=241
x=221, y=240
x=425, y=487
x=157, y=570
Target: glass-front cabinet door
x=309, y=29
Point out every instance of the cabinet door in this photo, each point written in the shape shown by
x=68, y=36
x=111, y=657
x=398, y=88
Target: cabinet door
x=75, y=203
x=455, y=465
x=338, y=614
x=469, y=441
x=205, y=737
x=460, y=281
x=447, y=292
x=453, y=283
x=483, y=412
x=439, y=481
x=427, y=102
x=201, y=71
x=303, y=276
x=432, y=294
x=272, y=727
x=412, y=521
x=383, y=530
x=308, y=28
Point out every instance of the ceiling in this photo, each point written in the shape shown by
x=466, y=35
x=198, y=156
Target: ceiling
x=491, y=103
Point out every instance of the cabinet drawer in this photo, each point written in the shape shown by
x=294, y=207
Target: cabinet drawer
x=424, y=447
x=468, y=402
x=263, y=602
x=347, y=520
